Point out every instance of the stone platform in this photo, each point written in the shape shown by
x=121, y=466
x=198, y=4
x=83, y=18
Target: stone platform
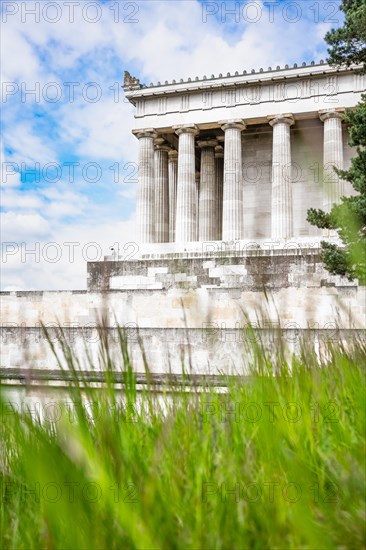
x=192, y=307
x=243, y=265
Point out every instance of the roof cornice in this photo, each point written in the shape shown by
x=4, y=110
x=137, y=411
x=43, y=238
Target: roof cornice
x=135, y=90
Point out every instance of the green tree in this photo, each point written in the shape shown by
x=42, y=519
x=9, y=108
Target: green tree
x=348, y=43
x=348, y=46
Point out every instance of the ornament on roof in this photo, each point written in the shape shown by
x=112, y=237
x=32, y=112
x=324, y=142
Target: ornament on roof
x=130, y=82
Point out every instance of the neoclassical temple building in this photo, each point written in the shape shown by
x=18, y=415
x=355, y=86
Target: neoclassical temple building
x=228, y=167
x=240, y=156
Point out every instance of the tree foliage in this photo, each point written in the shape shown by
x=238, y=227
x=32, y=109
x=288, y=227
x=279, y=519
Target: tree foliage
x=348, y=43
x=348, y=218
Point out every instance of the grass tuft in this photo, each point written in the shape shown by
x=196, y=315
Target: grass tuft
x=272, y=460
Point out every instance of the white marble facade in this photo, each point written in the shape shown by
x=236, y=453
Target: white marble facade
x=241, y=157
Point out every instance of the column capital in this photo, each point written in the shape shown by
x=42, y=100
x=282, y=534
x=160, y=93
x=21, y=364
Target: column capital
x=209, y=142
x=145, y=132
x=161, y=145
x=219, y=152
x=237, y=123
x=185, y=129
x=287, y=118
x=326, y=114
x=173, y=155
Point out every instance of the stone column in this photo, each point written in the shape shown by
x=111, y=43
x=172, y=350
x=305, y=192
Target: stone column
x=198, y=189
x=332, y=156
x=161, y=191
x=219, y=181
x=282, y=218
x=145, y=205
x=207, y=195
x=232, y=214
x=173, y=174
x=186, y=213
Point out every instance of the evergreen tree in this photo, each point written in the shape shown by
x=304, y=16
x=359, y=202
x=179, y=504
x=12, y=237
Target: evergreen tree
x=348, y=43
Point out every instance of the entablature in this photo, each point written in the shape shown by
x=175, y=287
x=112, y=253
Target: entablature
x=134, y=90
x=301, y=93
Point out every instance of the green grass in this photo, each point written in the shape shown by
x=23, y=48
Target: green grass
x=278, y=461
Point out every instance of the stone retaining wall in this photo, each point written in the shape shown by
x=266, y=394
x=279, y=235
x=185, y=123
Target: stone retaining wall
x=194, y=309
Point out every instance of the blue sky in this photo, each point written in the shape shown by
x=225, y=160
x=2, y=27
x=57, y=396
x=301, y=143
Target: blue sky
x=67, y=152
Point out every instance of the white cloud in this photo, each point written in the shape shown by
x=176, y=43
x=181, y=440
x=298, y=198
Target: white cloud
x=101, y=130
x=32, y=266
x=17, y=227
x=11, y=198
x=23, y=63
x=172, y=41
x=28, y=146
x=9, y=176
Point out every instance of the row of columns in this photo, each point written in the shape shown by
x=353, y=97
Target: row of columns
x=170, y=207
